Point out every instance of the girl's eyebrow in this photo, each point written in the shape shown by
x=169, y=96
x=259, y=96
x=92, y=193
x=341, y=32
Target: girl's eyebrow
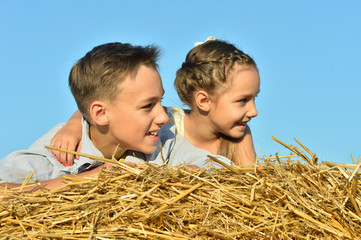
x=247, y=95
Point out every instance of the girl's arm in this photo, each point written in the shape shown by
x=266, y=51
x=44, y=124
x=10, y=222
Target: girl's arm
x=245, y=154
x=68, y=138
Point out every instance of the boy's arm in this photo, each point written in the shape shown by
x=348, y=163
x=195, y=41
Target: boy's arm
x=68, y=138
x=49, y=184
x=245, y=153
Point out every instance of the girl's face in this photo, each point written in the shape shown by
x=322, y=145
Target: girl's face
x=235, y=106
x=137, y=114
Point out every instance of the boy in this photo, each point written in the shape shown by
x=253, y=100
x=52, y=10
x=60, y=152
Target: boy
x=118, y=90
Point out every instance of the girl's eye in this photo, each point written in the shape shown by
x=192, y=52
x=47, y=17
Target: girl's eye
x=242, y=100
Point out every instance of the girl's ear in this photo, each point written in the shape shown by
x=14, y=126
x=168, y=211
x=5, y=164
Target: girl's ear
x=202, y=100
x=98, y=112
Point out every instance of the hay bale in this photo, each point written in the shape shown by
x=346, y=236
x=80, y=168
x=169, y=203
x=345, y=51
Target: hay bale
x=282, y=197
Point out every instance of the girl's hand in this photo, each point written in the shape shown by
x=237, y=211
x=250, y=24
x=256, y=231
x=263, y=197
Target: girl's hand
x=68, y=138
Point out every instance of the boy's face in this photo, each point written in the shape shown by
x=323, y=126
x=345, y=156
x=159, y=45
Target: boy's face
x=136, y=116
x=235, y=107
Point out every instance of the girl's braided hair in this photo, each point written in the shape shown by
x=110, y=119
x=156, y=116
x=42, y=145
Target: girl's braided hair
x=206, y=68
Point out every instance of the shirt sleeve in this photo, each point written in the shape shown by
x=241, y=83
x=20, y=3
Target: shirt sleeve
x=37, y=159
x=185, y=153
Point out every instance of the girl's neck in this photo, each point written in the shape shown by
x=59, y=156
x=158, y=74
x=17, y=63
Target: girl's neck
x=103, y=142
x=198, y=131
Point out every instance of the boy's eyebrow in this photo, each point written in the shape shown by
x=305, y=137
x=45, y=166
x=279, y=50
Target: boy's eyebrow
x=258, y=92
x=152, y=98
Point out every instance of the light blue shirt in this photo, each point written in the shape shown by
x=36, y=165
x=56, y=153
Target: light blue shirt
x=178, y=150
x=171, y=149
x=16, y=166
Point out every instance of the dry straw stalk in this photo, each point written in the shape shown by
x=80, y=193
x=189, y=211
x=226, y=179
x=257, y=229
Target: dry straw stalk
x=282, y=197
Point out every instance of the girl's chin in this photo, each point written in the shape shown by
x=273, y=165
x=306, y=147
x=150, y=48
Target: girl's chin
x=237, y=135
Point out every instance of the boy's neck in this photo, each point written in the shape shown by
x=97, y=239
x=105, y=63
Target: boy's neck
x=104, y=142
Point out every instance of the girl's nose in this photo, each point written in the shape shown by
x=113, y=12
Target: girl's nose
x=252, y=112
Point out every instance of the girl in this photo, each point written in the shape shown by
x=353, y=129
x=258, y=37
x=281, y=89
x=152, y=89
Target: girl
x=219, y=83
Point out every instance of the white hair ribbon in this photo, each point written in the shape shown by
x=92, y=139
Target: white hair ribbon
x=210, y=38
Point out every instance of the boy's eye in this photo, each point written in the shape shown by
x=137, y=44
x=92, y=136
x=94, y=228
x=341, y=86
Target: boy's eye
x=148, y=106
x=242, y=100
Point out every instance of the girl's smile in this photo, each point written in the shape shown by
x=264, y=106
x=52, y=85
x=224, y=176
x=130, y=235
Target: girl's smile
x=235, y=107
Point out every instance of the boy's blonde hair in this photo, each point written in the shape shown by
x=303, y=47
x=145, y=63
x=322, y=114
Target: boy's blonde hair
x=96, y=76
x=207, y=67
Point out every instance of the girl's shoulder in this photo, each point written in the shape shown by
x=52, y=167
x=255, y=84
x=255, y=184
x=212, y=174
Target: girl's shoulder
x=174, y=111
x=176, y=117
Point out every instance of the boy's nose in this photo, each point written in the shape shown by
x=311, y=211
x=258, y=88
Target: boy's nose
x=162, y=117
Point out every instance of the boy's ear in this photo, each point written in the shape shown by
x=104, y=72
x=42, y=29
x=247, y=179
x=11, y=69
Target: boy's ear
x=98, y=112
x=202, y=100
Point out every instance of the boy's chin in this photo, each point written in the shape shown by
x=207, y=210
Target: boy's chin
x=149, y=150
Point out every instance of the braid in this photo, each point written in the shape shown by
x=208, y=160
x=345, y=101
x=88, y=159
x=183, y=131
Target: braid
x=206, y=68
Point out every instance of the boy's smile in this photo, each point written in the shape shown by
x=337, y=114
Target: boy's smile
x=136, y=115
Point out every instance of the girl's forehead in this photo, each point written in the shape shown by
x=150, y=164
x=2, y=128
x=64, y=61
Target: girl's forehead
x=243, y=80
x=237, y=67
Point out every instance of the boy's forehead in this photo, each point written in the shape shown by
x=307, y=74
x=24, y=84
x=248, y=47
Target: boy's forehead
x=132, y=76
x=142, y=79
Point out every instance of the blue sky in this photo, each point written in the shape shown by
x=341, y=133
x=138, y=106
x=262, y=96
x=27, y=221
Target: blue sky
x=308, y=53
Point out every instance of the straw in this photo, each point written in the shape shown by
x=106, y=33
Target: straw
x=280, y=197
